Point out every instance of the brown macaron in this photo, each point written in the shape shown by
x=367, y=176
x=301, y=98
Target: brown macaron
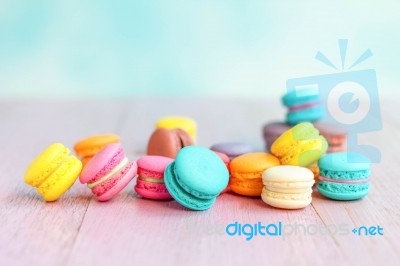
x=168, y=142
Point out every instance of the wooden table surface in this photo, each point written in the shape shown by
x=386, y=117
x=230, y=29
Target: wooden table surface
x=78, y=230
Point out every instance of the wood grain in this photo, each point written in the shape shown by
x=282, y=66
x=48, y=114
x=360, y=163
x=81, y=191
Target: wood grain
x=78, y=230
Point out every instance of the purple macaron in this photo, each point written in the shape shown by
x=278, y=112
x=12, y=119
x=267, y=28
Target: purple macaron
x=232, y=149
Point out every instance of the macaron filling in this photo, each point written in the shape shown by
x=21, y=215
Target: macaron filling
x=113, y=180
x=303, y=106
x=115, y=170
x=356, y=181
x=151, y=180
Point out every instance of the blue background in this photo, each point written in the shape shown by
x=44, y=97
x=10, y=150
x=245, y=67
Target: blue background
x=246, y=49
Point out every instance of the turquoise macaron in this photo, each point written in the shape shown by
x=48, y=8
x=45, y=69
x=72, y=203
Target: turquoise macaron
x=303, y=105
x=344, y=176
x=196, y=177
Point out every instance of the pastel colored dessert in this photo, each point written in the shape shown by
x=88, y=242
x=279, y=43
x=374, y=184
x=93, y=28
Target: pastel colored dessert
x=335, y=135
x=315, y=170
x=287, y=187
x=272, y=131
x=232, y=149
x=86, y=148
x=108, y=172
x=53, y=172
x=246, y=172
x=196, y=177
x=168, y=142
x=301, y=145
x=344, y=176
x=226, y=161
x=303, y=106
x=150, y=182
x=182, y=122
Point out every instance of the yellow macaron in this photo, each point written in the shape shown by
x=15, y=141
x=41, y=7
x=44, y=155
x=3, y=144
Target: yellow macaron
x=182, y=122
x=53, y=172
x=301, y=145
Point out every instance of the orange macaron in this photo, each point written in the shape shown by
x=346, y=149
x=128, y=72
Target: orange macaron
x=88, y=147
x=246, y=172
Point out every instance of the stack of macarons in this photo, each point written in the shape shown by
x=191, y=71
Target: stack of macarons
x=304, y=105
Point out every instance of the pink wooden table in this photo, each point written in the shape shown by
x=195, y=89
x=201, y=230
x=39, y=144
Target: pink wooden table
x=78, y=230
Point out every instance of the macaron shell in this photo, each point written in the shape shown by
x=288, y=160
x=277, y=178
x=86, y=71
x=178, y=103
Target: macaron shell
x=232, y=149
x=343, y=191
x=153, y=164
x=102, y=163
x=286, y=201
x=200, y=172
x=304, y=153
x=168, y=142
x=44, y=164
x=181, y=195
x=152, y=190
x=252, y=165
x=88, y=147
x=344, y=162
x=61, y=179
x=335, y=135
x=123, y=178
x=250, y=188
x=185, y=123
x=300, y=97
x=300, y=132
x=307, y=115
x=272, y=131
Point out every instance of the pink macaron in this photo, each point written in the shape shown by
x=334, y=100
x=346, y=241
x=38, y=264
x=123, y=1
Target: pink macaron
x=108, y=172
x=226, y=161
x=150, y=183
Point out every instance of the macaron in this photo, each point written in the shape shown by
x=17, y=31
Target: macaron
x=232, y=149
x=53, y=172
x=335, y=135
x=167, y=142
x=315, y=170
x=182, y=122
x=226, y=161
x=108, y=172
x=272, y=131
x=303, y=106
x=344, y=176
x=287, y=187
x=246, y=172
x=86, y=148
x=150, y=182
x=301, y=145
x=196, y=177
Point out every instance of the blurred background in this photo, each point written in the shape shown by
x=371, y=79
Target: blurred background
x=221, y=49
